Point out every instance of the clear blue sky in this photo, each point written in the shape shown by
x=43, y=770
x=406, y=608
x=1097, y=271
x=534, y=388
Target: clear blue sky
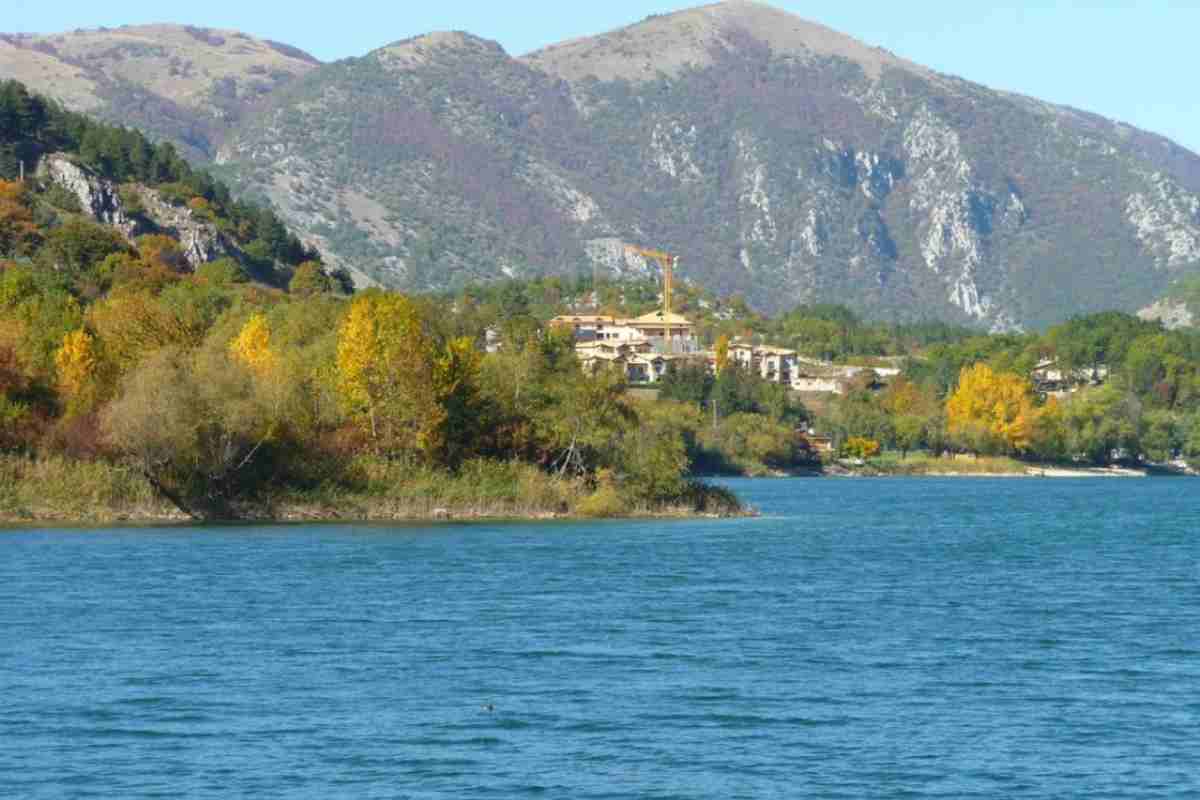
x=1131, y=61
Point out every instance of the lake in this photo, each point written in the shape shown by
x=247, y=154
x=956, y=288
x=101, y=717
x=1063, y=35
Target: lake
x=862, y=639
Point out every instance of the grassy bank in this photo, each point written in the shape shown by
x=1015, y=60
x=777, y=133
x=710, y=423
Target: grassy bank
x=96, y=492
x=925, y=464
x=65, y=490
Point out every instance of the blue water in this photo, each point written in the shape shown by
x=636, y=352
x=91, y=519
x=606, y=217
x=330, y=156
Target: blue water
x=863, y=639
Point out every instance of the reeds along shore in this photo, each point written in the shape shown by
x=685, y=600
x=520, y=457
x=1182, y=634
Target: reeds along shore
x=63, y=490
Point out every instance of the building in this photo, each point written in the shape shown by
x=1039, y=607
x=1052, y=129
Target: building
x=774, y=364
x=669, y=333
x=1051, y=378
x=644, y=347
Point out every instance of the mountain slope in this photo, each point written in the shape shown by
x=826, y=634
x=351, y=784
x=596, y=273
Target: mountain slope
x=182, y=83
x=669, y=44
x=778, y=158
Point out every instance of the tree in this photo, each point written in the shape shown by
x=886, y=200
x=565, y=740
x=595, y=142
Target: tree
x=456, y=377
x=193, y=426
x=386, y=380
x=909, y=431
x=224, y=273
x=687, y=382
x=859, y=447
x=752, y=441
x=736, y=391
x=1191, y=448
x=1049, y=440
x=1100, y=422
x=79, y=370
x=583, y=421
x=991, y=411
x=1162, y=435
x=310, y=279
x=721, y=353
x=132, y=325
x=18, y=232
x=653, y=456
x=78, y=246
x=162, y=251
x=252, y=346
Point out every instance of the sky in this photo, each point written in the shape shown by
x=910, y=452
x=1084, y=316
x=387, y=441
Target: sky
x=1131, y=61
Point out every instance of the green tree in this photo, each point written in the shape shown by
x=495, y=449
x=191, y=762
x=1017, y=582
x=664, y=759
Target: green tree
x=909, y=432
x=194, y=426
x=78, y=246
x=687, y=382
x=310, y=279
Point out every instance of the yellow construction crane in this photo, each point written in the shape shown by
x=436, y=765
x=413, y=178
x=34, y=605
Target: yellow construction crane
x=668, y=262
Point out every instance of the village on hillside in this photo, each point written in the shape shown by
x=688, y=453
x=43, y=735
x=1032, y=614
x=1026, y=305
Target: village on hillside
x=644, y=348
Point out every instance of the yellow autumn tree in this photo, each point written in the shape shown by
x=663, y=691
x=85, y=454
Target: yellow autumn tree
x=252, y=347
x=79, y=371
x=387, y=374
x=991, y=411
x=721, y=353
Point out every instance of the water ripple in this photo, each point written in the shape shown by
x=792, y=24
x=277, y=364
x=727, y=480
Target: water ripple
x=881, y=639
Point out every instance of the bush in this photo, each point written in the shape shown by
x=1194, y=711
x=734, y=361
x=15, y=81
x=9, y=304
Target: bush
x=604, y=502
x=62, y=199
x=859, y=447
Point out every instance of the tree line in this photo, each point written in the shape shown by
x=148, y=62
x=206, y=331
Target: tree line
x=1112, y=388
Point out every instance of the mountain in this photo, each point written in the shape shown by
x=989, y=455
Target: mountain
x=780, y=159
x=182, y=83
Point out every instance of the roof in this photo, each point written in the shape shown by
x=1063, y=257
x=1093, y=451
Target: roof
x=581, y=318
x=762, y=349
x=660, y=318
x=600, y=356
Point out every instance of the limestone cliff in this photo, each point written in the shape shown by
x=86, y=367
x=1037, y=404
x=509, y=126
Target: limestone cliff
x=199, y=239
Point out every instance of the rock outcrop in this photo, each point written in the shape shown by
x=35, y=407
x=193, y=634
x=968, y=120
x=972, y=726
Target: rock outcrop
x=1173, y=314
x=199, y=239
x=96, y=195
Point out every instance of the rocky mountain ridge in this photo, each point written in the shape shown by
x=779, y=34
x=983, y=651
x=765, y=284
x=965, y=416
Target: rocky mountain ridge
x=780, y=159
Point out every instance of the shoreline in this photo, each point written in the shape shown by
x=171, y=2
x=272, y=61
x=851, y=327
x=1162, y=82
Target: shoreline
x=1029, y=471
x=295, y=515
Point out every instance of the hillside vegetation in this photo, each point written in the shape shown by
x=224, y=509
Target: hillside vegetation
x=149, y=382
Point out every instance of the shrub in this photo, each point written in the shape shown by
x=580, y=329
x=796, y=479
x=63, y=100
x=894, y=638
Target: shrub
x=604, y=502
x=859, y=447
